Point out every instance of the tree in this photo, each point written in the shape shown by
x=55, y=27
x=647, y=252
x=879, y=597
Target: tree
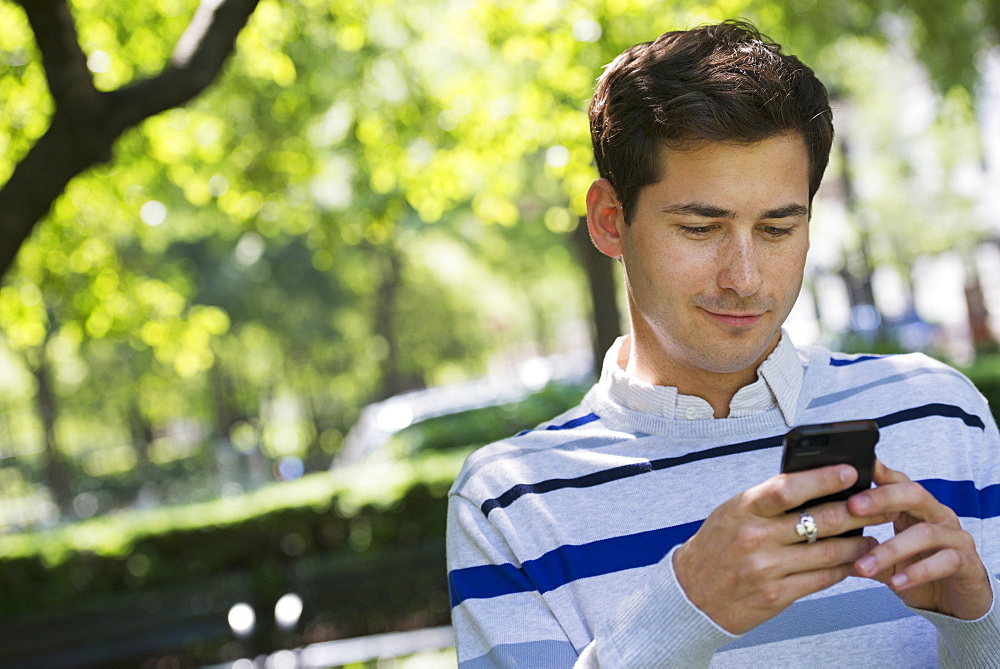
x=378, y=195
x=86, y=122
x=84, y=125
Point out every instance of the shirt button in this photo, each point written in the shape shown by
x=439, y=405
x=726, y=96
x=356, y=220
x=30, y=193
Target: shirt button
x=691, y=413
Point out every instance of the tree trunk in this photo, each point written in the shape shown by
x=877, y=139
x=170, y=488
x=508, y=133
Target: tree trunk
x=142, y=431
x=391, y=265
x=223, y=397
x=858, y=274
x=56, y=468
x=980, y=331
x=600, y=271
x=139, y=426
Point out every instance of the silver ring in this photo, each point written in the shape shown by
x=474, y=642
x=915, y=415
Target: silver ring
x=807, y=527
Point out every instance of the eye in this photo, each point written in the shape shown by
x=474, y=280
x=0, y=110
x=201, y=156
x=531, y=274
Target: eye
x=697, y=230
x=775, y=231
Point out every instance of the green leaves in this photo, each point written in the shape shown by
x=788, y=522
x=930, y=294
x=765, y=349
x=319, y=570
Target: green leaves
x=248, y=239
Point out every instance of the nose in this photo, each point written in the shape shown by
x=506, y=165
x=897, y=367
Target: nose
x=740, y=270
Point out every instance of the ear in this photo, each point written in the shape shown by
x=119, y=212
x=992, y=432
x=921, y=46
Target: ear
x=605, y=219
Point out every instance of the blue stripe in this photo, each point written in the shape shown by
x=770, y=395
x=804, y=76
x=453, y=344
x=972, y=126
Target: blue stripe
x=569, y=425
x=486, y=581
x=605, y=556
x=964, y=498
x=927, y=410
x=568, y=563
x=586, y=481
x=843, y=362
x=514, y=493
x=623, y=472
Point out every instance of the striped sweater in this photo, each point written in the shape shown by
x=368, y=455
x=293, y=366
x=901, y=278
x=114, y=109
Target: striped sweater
x=560, y=539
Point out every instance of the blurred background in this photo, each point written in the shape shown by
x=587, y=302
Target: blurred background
x=273, y=269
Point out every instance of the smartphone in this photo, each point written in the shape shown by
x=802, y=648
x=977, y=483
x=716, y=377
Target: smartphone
x=846, y=442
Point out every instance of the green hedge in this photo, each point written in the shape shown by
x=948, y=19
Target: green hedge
x=488, y=424
x=359, y=511
x=363, y=547
x=985, y=373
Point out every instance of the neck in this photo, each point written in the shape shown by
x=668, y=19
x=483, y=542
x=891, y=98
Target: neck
x=717, y=388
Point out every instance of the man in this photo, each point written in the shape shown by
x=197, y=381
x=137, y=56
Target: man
x=648, y=527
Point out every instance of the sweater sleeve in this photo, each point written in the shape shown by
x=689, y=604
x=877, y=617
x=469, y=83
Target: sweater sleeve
x=501, y=620
x=657, y=625
x=976, y=643
x=968, y=643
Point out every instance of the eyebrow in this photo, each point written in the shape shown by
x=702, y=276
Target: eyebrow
x=711, y=211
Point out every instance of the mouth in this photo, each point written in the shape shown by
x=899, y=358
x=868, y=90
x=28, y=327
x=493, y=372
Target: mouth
x=736, y=320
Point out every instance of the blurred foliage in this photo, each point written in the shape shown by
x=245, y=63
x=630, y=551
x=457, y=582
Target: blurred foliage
x=375, y=196
x=985, y=374
x=379, y=485
x=365, y=558
x=483, y=426
x=363, y=546
x=331, y=495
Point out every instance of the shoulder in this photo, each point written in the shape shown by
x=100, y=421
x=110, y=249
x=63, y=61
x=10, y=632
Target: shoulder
x=908, y=378
x=863, y=367
x=551, y=449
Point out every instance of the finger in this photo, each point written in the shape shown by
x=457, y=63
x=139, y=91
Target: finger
x=968, y=595
x=833, y=552
x=901, y=497
x=787, y=491
x=832, y=519
x=940, y=565
x=795, y=586
x=921, y=538
x=882, y=475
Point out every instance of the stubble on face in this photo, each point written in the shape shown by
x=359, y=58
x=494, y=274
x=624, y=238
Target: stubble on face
x=740, y=350
x=691, y=355
x=695, y=337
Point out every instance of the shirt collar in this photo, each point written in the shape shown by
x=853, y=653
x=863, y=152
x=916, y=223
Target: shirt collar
x=778, y=384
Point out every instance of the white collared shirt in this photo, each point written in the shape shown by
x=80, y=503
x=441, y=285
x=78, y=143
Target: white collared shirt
x=779, y=381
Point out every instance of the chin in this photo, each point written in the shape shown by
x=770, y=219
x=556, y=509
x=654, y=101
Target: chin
x=719, y=363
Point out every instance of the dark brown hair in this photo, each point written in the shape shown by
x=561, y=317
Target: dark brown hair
x=722, y=83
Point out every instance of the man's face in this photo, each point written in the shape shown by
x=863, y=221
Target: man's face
x=714, y=257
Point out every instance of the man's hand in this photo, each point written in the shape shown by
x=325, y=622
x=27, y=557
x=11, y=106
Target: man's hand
x=932, y=562
x=747, y=563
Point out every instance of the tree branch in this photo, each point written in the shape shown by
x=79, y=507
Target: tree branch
x=198, y=58
x=65, y=64
x=87, y=122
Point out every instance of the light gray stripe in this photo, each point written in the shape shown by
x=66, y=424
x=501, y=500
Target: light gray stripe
x=876, y=604
x=829, y=614
x=832, y=398
x=515, y=451
x=530, y=655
